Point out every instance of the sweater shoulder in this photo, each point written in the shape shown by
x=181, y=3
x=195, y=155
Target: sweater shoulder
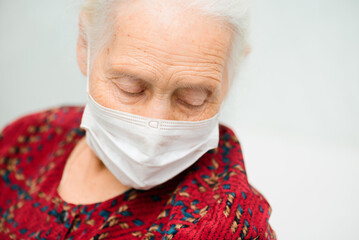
x=30, y=133
x=219, y=201
x=32, y=122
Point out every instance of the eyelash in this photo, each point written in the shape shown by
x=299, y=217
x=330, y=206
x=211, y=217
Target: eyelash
x=194, y=107
x=132, y=94
x=128, y=93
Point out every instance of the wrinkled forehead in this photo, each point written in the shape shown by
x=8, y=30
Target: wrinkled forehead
x=169, y=33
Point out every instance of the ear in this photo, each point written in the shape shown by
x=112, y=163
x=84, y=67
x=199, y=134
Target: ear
x=82, y=44
x=247, y=50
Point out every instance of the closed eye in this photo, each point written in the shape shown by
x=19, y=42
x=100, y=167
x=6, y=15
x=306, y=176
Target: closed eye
x=190, y=106
x=132, y=94
x=130, y=89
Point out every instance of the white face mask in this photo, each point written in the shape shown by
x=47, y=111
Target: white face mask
x=143, y=152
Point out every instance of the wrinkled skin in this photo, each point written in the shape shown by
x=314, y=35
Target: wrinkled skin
x=162, y=62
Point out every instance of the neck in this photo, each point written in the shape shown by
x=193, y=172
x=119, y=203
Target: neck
x=86, y=179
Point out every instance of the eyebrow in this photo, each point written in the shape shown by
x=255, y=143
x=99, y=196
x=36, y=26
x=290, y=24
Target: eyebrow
x=202, y=85
x=117, y=74
x=208, y=88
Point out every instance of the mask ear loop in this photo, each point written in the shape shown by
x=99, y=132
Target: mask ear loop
x=88, y=70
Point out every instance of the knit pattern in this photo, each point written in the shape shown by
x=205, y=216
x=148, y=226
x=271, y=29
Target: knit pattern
x=212, y=199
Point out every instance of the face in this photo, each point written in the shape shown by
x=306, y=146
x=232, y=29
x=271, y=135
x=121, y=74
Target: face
x=163, y=62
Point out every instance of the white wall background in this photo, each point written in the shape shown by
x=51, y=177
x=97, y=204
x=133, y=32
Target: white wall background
x=295, y=108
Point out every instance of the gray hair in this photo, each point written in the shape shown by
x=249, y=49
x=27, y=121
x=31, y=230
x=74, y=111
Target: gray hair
x=234, y=13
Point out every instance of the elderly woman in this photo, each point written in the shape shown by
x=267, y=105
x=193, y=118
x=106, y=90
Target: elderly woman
x=146, y=157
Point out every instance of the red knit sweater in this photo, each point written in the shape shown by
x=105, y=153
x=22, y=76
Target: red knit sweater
x=212, y=199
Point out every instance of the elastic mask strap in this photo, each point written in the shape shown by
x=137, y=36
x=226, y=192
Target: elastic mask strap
x=88, y=70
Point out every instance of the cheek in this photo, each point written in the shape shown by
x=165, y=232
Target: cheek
x=213, y=109
x=214, y=104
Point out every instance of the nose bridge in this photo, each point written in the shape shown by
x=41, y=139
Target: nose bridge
x=159, y=107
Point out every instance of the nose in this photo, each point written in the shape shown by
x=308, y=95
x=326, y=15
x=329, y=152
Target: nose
x=159, y=108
